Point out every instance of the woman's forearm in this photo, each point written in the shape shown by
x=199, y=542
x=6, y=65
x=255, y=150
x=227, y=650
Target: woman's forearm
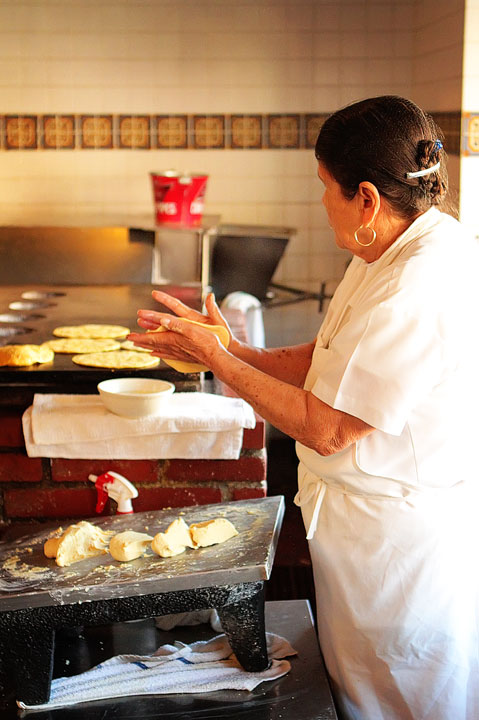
x=289, y=364
x=291, y=409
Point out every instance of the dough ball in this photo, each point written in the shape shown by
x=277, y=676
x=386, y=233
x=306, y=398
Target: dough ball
x=163, y=546
x=129, y=545
x=50, y=548
x=174, y=540
x=212, y=532
x=78, y=542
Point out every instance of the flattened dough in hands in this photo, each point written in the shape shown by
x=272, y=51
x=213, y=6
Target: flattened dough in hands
x=212, y=532
x=187, y=367
x=129, y=545
x=79, y=541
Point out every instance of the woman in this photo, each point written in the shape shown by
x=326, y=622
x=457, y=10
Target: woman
x=383, y=408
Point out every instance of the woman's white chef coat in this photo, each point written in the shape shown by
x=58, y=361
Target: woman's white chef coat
x=392, y=519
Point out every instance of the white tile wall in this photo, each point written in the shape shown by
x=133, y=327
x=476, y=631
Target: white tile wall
x=213, y=56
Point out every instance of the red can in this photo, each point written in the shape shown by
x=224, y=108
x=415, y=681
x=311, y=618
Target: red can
x=179, y=198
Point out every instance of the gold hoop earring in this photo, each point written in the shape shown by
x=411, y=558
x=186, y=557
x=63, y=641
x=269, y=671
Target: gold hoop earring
x=373, y=237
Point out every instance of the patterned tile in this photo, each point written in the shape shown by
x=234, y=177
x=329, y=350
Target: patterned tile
x=58, y=132
x=471, y=134
x=171, y=131
x=134, y=132
x=314, y=124
x=96, y=132
x=238, y=131
x=21, y=132
x=283, y=131
x=209, y=131
x=246, y=131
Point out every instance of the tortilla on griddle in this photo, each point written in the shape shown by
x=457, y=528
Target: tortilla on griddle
x=91, y=331
x=117, y=360
x=74, y=346
x=129, y=345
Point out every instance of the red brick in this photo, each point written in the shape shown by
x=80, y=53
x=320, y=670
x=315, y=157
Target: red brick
x=245, y=493
x=50, y=502
x=16, y=467
x=248, y=468
x=156, y=498
x=136, y=471
x=11, y=432
x=254, y=439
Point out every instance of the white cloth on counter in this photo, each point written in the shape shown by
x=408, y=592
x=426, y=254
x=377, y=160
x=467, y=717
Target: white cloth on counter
x=204, y=666
x=192, y=426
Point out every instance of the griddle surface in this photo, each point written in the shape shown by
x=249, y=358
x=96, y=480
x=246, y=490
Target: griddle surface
x=76, y=305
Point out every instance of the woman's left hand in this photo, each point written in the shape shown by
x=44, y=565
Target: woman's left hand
x=184, y=341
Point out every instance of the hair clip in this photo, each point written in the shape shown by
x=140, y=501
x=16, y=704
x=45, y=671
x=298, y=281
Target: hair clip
x=437, y=146
x=426, y=171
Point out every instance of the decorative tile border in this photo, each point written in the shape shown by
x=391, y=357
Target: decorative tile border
x=470, y=134
x=198, y=132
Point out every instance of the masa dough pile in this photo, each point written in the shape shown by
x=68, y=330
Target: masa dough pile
x=174, y=540
x=179, y=536
x=78, y=542
x=84, y=540
x=129, y=545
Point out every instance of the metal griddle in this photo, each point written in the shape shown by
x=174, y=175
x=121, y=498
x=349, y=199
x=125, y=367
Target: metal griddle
x=37, y=597
x=33, y=318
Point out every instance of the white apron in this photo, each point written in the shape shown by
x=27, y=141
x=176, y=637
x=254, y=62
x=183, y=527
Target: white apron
x=392, y=520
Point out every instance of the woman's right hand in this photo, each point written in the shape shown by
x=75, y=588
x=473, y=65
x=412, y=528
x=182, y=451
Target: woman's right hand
x=150, y=319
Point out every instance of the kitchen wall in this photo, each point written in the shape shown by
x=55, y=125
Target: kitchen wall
x=98, y=93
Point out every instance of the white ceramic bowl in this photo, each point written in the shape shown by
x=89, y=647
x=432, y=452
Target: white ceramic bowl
x=135, y=397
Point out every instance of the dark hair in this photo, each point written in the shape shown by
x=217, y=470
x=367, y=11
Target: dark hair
x=380, y=140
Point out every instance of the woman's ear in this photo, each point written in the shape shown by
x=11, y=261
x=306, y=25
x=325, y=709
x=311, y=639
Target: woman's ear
x=369, y=201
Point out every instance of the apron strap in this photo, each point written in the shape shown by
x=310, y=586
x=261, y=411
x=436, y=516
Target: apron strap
x=313, y=491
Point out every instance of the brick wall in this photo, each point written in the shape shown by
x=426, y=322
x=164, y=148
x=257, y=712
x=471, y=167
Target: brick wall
x=58, y=488
x=45, y=488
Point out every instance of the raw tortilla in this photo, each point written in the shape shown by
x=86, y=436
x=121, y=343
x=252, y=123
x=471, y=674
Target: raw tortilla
x=78, y=542
x=129, y=545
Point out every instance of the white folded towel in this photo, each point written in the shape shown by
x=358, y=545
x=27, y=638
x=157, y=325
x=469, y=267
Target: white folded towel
x=192, y=425
x=201, y=667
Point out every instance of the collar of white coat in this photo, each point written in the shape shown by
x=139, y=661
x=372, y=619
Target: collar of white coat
x=420, y=226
